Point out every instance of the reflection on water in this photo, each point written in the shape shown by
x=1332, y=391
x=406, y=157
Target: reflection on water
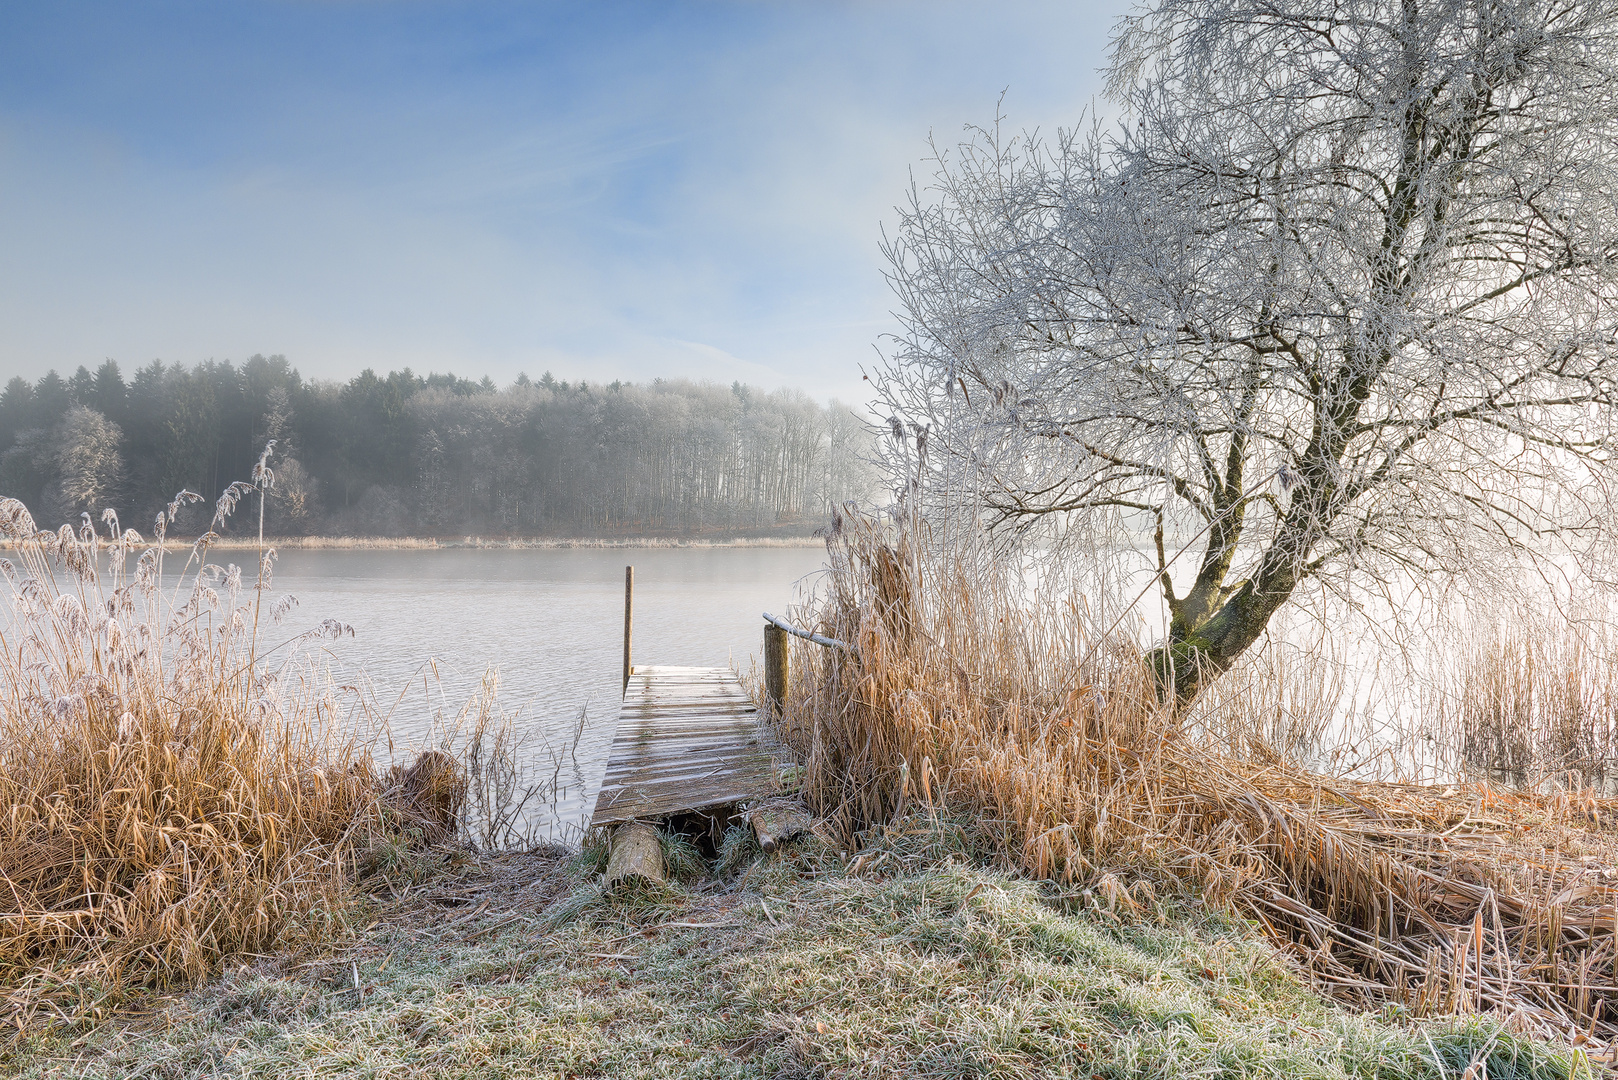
x=550, y=621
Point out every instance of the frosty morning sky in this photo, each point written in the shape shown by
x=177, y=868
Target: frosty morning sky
x=604, y=190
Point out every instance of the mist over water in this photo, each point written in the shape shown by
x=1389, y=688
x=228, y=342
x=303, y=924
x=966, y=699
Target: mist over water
x=427, y=624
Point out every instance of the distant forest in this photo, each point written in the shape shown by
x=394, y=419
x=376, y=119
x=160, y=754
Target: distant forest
x=403, y=455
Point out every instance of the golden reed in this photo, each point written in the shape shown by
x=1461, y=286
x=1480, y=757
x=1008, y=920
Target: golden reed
x=962, y=694
x=168, y=797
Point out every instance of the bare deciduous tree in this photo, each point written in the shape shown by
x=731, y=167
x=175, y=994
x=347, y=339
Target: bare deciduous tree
x=1335, y=298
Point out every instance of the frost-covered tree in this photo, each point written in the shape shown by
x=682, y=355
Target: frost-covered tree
x=88, y=464
x=1335, y=300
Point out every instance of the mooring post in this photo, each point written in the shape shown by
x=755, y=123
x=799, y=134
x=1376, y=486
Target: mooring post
x=629, y=620
x=775, y=667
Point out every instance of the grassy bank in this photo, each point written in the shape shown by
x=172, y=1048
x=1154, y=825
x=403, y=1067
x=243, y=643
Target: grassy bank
x=169, y=800
x=908, y=958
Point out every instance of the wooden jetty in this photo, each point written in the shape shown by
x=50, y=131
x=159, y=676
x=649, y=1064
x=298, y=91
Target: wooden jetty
x=689, y=746
x=688, y=740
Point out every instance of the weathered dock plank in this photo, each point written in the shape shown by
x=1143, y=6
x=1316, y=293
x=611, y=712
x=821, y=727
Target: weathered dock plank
x=687, y=739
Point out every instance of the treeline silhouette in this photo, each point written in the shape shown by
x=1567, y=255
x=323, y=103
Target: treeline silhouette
x=403, y=454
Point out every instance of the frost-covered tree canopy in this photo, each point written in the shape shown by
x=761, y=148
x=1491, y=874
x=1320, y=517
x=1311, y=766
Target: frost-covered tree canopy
x=1335, y=298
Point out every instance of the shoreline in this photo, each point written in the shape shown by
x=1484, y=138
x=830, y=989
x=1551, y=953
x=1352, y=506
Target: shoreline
x=483, y=543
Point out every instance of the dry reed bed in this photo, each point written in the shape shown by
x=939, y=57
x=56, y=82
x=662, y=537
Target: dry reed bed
x=959, y=694
x=166, y=800
x=1532, y=695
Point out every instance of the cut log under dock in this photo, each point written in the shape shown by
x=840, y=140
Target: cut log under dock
x=637, y=856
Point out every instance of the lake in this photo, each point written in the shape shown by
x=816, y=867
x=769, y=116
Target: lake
x=427, y=624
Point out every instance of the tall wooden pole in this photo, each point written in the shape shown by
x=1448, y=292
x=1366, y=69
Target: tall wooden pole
x=629, y=620
x=775, y=667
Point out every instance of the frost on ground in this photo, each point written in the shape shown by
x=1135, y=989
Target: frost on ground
x=907, y=959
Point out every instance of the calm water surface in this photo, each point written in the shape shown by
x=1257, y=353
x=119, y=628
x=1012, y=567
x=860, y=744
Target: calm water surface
x=428, y=624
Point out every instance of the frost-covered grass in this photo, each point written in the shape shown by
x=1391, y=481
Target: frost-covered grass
x=919, y=963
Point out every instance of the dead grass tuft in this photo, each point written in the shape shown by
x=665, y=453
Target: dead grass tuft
x=428, y=795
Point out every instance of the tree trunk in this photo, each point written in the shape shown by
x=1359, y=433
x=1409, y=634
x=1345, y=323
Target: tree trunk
x=1189, y=660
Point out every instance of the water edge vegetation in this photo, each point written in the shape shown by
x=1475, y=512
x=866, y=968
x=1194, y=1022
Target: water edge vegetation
x=164, y=835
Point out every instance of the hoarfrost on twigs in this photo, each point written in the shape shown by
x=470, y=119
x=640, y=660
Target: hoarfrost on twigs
x=1364, y=251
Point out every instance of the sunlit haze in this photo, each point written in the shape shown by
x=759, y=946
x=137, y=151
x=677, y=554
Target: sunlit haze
x=604, y=190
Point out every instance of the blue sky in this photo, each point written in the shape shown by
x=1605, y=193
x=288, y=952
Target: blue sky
x=605, y=190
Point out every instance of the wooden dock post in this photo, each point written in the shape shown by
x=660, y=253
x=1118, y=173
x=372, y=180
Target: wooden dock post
x=629, y=620
x=775, y=667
